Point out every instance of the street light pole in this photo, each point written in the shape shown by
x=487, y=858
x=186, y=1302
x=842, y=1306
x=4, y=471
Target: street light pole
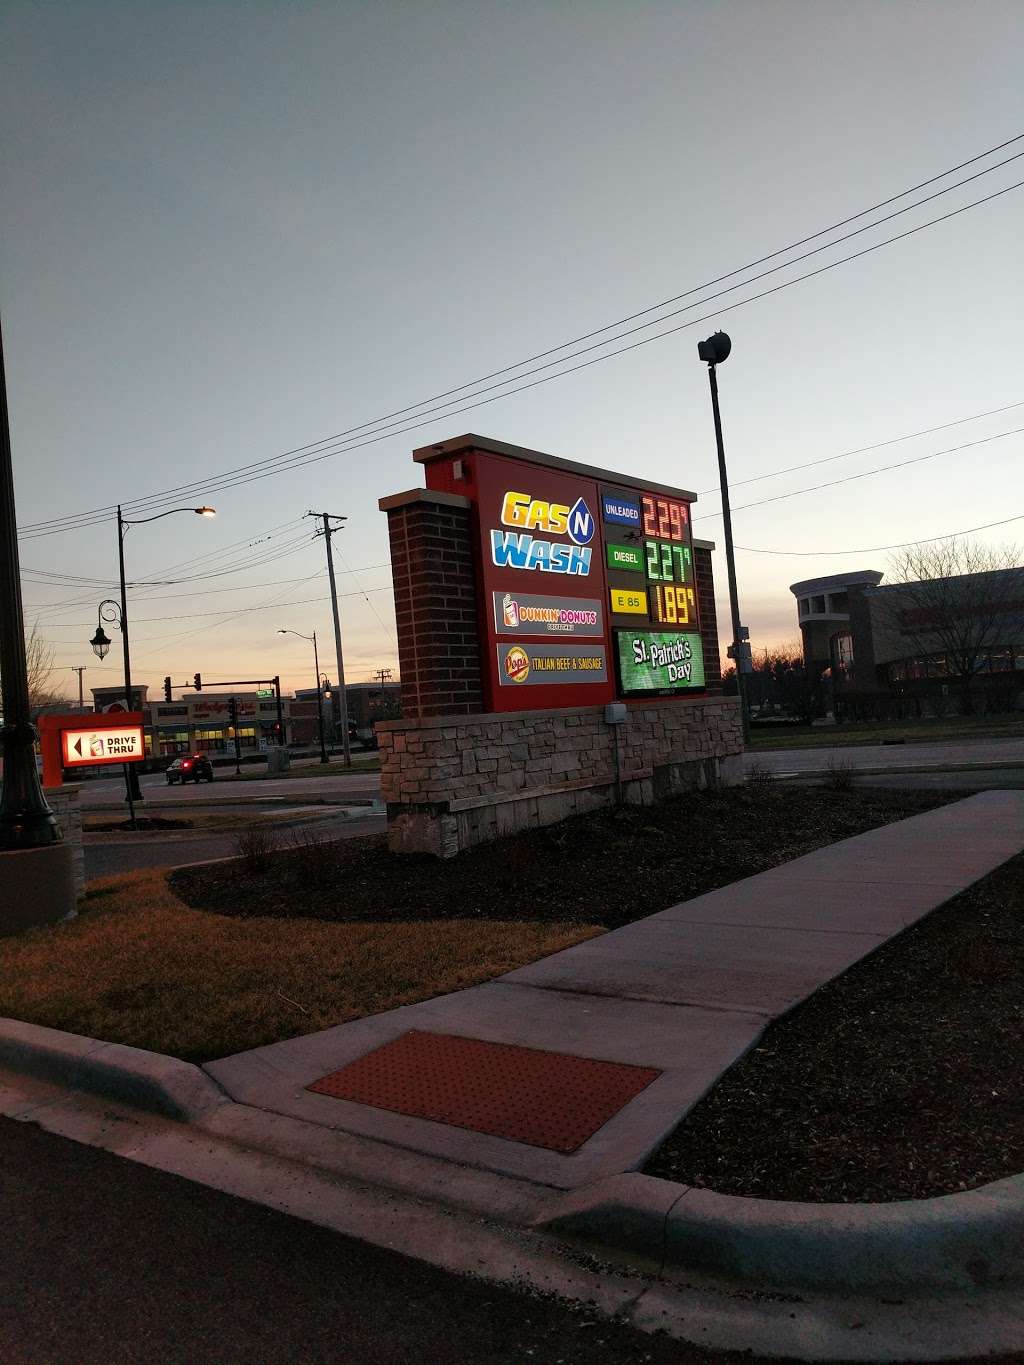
x=132, y=789
x=714, y=351
x=319, y=693
x=26, y=820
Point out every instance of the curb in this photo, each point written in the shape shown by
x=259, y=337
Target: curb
x=146, y=1080
x=954, y=1242
x=909, y=770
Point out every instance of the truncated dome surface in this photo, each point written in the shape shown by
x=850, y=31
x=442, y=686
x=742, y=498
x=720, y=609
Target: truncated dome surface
x=545, y=1099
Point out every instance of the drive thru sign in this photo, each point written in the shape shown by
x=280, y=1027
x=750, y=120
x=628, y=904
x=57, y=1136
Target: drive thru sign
x=123, y=744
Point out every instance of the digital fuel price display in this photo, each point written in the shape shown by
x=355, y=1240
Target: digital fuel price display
x=651, y=595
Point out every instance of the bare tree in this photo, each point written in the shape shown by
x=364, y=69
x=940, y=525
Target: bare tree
x=40, y=668
x=954, y=602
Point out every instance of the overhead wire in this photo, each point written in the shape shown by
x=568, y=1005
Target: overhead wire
x=863, y=450
x=868, y=473
x=644, y=341
x=878, y=549
x=286, y=461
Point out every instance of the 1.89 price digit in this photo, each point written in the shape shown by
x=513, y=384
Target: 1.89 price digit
x=672, y=605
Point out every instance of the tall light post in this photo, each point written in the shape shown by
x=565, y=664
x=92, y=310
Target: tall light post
x=714, y=351
x=131, y=778
x=319, y=690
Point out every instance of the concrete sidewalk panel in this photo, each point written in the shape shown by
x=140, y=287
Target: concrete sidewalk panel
x=766, y=970
x=692, y=1047
x=813, y=906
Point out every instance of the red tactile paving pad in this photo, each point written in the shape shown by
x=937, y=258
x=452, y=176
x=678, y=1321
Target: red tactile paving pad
x=545, y=1099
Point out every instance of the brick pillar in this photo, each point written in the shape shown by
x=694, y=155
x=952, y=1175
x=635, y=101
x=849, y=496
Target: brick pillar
x=703, y=572
x=435, y=603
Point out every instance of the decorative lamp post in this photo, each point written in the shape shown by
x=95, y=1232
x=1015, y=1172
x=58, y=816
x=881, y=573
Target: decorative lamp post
x=26, y=820
x=319, y=693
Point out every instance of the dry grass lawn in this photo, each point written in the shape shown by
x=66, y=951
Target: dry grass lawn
x=139, y=967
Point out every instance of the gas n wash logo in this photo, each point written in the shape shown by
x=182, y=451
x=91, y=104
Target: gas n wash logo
x=519, y=549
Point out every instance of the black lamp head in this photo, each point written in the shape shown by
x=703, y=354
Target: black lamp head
x=715, y=349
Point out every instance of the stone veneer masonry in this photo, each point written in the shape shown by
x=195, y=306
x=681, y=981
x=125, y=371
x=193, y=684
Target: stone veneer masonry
x=66, y=804
x=453, y=781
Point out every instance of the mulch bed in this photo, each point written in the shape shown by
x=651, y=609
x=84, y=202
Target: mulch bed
x=902, y=1079
x=607, y=868
x=141, y=822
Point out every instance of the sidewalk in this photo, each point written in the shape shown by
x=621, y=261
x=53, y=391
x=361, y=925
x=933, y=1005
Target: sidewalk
x=498, y=1131
x=683, y=993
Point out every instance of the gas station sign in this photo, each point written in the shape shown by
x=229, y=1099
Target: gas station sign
x=567, y=554
x=85, y=748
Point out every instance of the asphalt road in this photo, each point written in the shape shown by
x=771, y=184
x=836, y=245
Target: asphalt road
x=340, y=785
x=110, y=1263
x=122, y=852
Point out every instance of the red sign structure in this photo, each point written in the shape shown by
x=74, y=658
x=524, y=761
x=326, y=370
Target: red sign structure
x=585, y=580
x=85, y=739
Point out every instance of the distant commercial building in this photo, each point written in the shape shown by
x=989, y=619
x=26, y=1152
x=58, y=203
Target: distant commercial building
x=919, y=640
x=823, y=610
x=201, y=720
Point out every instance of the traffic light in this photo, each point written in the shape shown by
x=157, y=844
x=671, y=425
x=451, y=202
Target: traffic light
x=233, y=711
x=197, y=682
x=167, y=688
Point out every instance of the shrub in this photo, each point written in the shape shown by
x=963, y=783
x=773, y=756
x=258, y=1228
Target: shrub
x=840, y=774
x=759, y=778
x=312, y=859
x=256, y=846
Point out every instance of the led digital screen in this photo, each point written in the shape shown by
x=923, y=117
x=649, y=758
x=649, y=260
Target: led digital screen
x=659, y=661
x=664, y=518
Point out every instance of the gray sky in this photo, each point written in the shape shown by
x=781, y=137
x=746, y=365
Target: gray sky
x=229, y=230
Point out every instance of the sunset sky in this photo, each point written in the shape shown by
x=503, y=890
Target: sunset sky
x=231, y=231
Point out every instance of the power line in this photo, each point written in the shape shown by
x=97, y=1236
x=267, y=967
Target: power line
x=633, y=346
x=286, y=460
x=877, y=549
x=863, y=450
x=867, y=473
x=192, y=615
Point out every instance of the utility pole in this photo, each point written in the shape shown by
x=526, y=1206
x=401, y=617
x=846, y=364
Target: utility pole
x=81, y=700
x=384, y=674
x=327, y=532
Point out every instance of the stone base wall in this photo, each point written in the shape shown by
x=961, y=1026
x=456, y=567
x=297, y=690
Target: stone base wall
x=66, y=804
x=450, y=782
